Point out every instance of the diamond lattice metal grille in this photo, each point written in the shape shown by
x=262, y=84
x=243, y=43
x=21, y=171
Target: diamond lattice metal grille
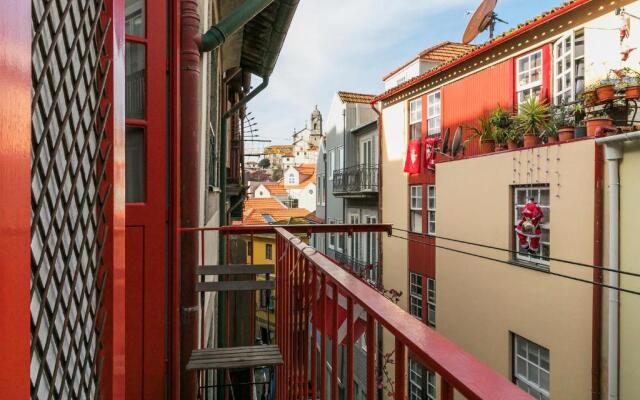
x=68, y=193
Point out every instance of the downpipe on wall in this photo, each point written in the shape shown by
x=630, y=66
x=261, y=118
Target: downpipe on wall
x=614, y=151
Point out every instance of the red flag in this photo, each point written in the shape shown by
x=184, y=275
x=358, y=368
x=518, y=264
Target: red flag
x=430, y=153
x=414, y=153
x=359, y=317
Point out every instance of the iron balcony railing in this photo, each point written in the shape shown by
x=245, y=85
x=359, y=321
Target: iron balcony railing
x=361, y=268
x=359, y=179
x=308, y=321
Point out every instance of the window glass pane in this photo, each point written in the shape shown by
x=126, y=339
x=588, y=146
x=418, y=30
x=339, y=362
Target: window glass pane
x=135, y=80
x=135, y=164
x=134, y=19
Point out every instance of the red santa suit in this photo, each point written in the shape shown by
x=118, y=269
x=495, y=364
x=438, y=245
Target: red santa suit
x=528, y=229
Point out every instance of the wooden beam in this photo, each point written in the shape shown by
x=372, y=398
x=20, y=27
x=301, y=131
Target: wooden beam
x=235, y=357
x=231, y=286
x=237, y=269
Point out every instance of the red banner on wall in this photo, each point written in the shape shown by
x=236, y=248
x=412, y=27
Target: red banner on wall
x=430, y=153
x=414, y=153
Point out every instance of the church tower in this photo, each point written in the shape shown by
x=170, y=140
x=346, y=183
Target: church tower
x=316, y=122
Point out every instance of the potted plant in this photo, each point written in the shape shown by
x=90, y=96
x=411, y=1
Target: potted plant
x=500, y=136
x=606, y=90
x=532, y=120
x=597, y=120
x=502, y=122
x=514, y=138
x=578, y=118
x=551, y=133
x=564, y=122
x=485, y=131
x=631, y=85
x=589, y=95
x=500, y=118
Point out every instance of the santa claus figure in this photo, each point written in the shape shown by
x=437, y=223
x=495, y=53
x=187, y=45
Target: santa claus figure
x=528, y=229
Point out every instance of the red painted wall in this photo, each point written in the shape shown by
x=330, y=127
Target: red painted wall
x=146, y=226
x=465, y=100
x=15, y=197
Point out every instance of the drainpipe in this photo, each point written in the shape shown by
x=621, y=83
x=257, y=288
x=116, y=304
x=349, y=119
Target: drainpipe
x=614, y=150
x=218, y=34
x=596, y=302
x=189, y=190
x=192, y=44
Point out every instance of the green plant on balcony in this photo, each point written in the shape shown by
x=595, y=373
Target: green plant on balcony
x=532, y=120
x=485, y=131
x=500, y=118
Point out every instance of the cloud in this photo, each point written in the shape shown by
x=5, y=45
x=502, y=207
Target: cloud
x=344, y=45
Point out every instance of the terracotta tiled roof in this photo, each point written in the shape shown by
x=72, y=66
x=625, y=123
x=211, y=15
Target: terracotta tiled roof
x=304, y=183
x=349, y=97
x=306, y=169
x=275, y=188
x=314, y=218
x=475, y=51
x=255, y=217
x=262, y=203
x=445, y=51
x=440, y=53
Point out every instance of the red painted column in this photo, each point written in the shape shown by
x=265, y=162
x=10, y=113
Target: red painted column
x=15, y=204
x=371, y=358
x=399, y=370
x=113, y=379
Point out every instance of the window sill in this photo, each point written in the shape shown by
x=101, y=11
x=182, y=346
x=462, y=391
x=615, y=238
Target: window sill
x=530, y=265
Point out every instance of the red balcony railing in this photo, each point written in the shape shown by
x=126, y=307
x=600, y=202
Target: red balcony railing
x=306, y=315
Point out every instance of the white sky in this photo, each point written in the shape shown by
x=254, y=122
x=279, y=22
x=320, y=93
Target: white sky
x=350, y=44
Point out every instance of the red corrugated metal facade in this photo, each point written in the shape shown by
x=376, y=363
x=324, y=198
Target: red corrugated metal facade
x=465, y=100
x=462, y=102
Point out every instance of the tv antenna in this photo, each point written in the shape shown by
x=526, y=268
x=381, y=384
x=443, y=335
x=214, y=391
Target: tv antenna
x=484, y=17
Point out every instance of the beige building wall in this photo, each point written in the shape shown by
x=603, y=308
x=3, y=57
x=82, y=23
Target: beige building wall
x=630, y=261
x=394, y=205
x=482, y=302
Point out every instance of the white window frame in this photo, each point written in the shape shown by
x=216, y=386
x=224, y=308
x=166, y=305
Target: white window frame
x=434, y=110
x=524, y=90
x=332, y=163
x=332, y=236
x=415, y=295
x=565, y=49
x=340, y=242
x=341, y=157
x=431, y=302
x=563, y=52
x=415, y=207
x=531, y=364
x=416, y=381
x=520, y=196
x=415, y=118
x=371, y=249
x=431, y=209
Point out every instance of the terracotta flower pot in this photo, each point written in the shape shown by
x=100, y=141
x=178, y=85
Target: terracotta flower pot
x=487, y=146
x=501, y=146
x=530, y=140
x=606, y=93
x=511, y=145
x=594, y=123
x=565, y=134
x=589, y=98
x=552, y=140
x=632, y=92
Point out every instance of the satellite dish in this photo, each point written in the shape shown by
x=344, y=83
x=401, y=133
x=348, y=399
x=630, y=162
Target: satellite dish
x=483, y=18
x=445, y=141
x=457, y=139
